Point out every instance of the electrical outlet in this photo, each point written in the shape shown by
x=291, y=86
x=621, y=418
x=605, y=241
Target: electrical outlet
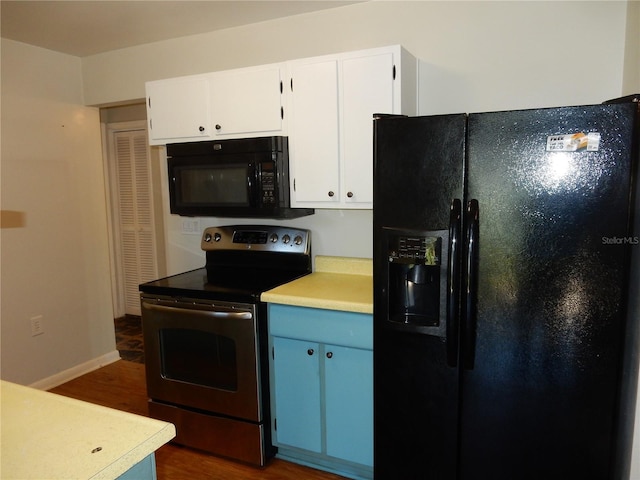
x=37, y=325
x=191, y=226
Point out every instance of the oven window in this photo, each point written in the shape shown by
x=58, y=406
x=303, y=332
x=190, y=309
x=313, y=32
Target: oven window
x=214, y=186
x=198, y=357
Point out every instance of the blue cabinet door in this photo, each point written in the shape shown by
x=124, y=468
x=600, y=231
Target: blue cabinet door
x=349, y=403
x=145, y=469
x=297, y=394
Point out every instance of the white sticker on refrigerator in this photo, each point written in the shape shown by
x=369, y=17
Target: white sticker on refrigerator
x=574, y=142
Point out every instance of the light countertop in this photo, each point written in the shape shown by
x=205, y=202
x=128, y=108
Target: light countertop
x=49, y=436
x=337, y=283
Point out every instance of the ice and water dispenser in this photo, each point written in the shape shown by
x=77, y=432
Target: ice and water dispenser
x=417, y=278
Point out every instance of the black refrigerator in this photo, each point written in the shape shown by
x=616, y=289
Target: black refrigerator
x=506, y=250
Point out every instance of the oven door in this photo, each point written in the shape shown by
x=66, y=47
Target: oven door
x=202, y=355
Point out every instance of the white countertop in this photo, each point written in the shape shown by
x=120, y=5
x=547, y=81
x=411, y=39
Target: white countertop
x=49, y=436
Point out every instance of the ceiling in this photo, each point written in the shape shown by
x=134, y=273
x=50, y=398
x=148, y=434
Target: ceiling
x=82, y=28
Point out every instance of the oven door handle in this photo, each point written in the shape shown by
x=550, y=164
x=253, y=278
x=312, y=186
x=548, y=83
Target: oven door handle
x=211, y=313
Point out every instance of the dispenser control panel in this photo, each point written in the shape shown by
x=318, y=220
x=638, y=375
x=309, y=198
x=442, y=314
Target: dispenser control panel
x=415, y=250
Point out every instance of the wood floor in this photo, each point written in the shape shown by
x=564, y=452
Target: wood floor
x=121, y=385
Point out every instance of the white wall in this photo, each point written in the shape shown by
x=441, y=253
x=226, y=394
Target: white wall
x=631, y=82
x=481, y=55
x=54, y=250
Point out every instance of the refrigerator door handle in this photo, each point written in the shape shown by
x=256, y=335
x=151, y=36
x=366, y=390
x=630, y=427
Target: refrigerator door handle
x=453, y=283
x=469, y=323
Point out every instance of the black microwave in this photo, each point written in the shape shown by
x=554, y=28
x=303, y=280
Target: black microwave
x=246, y=177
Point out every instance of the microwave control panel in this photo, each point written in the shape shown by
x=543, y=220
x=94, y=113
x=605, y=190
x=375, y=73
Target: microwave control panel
x=268, y=193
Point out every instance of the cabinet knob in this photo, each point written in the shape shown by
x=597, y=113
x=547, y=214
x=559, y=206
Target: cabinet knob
x=310, y=351
x=218, y=126
x=329, y=354
x=350, y=194
x=331, y=194
x=201, y=128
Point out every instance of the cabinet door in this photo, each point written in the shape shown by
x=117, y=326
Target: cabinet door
x=178, y=109
x=247, y=102
x=367, y=88
x=349, y=403
x=314, y=136
x=297, y=394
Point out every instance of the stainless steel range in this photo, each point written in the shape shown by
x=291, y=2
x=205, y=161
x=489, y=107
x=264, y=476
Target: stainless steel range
x=205, y=339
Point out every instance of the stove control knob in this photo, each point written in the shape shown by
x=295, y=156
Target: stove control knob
x=297, y=240
x=217, y=237
x=273, y=238
x=286, y=239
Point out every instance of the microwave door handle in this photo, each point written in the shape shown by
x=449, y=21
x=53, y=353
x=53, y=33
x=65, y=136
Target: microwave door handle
x=252, y=183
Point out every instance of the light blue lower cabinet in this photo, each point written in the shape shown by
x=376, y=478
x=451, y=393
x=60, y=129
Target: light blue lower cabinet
x=145, y=469
x=321, y=376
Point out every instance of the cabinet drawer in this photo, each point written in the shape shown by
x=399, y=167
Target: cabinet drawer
x=323, y=326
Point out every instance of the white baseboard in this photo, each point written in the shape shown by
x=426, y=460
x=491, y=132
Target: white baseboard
x=74, y=372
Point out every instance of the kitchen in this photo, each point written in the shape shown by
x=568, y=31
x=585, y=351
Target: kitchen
x=58, y=246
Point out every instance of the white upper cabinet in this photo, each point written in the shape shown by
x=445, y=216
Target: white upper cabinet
x=247, y=102
x=333, y=99
x=367, y=88
x=238, y=103
x=178, y=110
x=314, y=136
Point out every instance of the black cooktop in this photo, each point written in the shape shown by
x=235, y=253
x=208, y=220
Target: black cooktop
x=242, y=262
x=243, y=286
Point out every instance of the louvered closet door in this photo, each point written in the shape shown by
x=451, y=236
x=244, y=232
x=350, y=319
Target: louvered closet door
x=137, y=243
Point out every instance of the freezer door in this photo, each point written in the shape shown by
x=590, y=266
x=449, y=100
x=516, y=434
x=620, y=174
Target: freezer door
x=553, y=191
x=418, y=176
